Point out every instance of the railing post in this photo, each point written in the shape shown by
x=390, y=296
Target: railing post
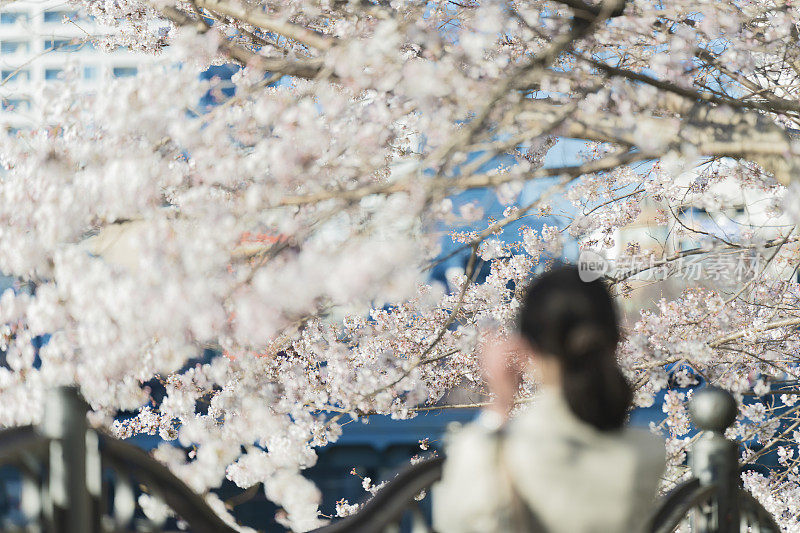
x=715, y=460
x=69, y=502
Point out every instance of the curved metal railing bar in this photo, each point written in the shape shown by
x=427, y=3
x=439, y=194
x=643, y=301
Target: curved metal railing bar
x=191, y=507
x=674, y=507
x=19, y=442
x=669, y=501
x=392, y=501
x=758, y=519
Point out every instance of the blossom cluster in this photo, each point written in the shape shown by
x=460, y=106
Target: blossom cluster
x=291, y=228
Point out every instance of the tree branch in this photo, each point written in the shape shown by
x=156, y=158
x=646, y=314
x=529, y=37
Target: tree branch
x=739, y=334
x=774, y=105
x=468, y=182
x=259, y=20
x=301, y=68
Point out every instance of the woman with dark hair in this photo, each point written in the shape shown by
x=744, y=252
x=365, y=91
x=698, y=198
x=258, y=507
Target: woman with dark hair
x=567, y=463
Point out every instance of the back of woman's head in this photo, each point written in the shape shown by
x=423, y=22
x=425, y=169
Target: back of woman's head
x=576, y=322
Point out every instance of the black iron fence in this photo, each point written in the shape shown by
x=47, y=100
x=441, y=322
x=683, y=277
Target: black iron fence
x=75, y=479
x=78, y=480
x=712, y=501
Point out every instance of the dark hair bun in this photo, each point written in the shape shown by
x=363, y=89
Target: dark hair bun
x=582, y=342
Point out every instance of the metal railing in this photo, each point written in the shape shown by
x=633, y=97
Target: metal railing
x=712, y=501
x=76, y=479
x=79, y=480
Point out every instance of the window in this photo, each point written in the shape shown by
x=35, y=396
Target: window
x=13, y=47
x=89, y=73
x=61, y=45
x=13, y=17
x=16, y=104
x=693, y=212
x=9, y=75
x=58, y=16
x=124, y=72
x=53, y=73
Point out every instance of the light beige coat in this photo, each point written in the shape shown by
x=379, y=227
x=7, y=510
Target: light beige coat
x=574, y=478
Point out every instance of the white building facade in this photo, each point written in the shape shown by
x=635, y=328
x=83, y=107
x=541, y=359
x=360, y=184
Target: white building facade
x=37, y=39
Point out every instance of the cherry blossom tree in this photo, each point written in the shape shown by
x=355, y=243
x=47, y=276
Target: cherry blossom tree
x=292, y=226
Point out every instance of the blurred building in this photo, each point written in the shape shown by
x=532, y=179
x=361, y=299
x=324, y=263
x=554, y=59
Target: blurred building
x=692, y=237
x=37, y=38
